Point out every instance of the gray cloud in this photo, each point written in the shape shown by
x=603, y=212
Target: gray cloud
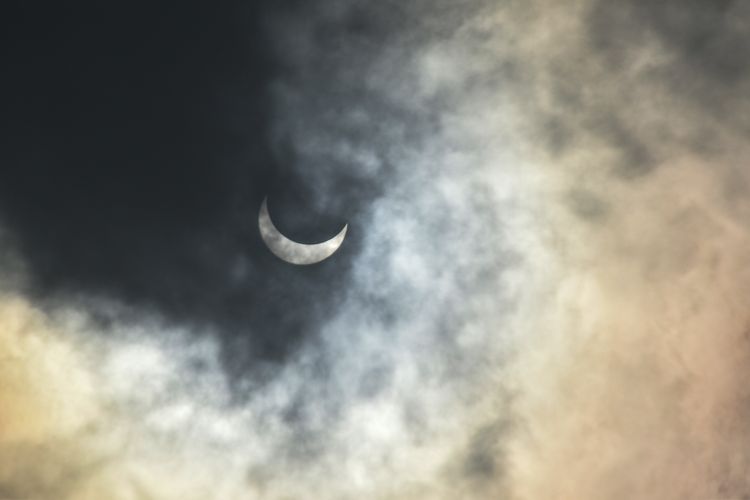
x=541, y=294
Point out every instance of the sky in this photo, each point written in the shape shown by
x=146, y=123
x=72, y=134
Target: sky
x=541, y=294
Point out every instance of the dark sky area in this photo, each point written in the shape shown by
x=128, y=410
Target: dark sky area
x=135, y=155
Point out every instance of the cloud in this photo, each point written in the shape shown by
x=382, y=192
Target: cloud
x=542, y=296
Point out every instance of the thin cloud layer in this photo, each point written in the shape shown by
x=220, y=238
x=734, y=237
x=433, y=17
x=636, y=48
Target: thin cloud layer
x=542, y=298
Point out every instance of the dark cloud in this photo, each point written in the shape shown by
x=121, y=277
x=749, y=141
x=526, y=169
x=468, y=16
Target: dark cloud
x=588, y=205
x=642, y=80
x=709, y=38
x=703, y=46
x=144, y=142
x=136, y=151
x=481, y=462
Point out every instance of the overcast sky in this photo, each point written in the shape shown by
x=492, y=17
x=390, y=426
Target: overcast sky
x=541, y=293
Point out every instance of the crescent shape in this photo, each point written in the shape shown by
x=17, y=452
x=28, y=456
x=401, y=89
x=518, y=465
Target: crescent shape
x=291, y=251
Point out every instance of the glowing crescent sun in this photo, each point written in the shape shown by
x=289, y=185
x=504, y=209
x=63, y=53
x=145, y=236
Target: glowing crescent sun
x=291, y=251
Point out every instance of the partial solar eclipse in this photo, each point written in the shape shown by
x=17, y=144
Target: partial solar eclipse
x=291, y=251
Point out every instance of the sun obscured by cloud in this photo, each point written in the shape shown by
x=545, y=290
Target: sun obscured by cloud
x=543, y=297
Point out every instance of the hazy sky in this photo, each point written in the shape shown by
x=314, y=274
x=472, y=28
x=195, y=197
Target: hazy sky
x=541, y=294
